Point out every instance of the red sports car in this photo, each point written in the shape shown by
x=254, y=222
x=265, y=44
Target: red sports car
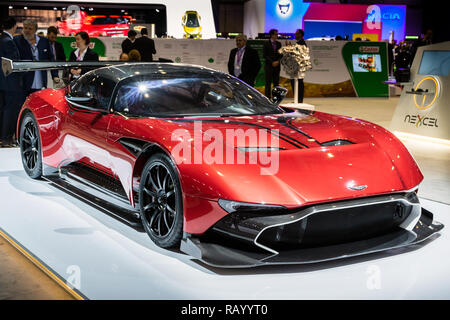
x=96, y=25
x=206, y=163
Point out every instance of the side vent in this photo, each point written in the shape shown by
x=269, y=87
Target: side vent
x=134, y=146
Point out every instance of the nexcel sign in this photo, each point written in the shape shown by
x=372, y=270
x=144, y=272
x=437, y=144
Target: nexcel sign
x=419, y=120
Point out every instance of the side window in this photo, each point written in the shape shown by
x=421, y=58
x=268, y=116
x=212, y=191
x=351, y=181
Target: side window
x=95, y=86
x=104, y=89
x=81, y=87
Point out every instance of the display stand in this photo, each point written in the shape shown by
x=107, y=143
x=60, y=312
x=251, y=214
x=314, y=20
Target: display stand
x=298, y=105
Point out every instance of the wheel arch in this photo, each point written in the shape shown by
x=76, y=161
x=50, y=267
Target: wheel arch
x=148, y=150
x=22, y=115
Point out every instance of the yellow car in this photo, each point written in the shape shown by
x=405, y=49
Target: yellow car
x=191, y=24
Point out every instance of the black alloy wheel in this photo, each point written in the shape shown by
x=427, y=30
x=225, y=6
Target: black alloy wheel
x=30, y=147
x=160, y=201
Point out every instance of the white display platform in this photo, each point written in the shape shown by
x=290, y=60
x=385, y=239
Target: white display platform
x=113, y=261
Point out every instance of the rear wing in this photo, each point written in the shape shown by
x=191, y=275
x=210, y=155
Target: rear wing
x=9, y=66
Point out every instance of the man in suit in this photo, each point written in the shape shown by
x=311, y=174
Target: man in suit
x=129, y=43
x=57, y=47
x=36, y=48
x=10, y=87
x=299, y=35
x=145, y=46
x=57, y=50
x=272, y=61
x=244, y=61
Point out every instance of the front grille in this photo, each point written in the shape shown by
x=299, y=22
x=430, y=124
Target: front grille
x=337, y=226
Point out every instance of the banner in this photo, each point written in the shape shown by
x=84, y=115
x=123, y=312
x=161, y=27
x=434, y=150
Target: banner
x=333, y=70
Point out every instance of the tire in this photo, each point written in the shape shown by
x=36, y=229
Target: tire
x=160, y=201
x=30, y=146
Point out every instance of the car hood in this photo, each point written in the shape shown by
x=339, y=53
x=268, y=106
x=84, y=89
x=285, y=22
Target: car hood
x=308, y=168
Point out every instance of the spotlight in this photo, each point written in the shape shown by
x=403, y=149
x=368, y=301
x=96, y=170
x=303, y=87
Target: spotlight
x=25, y=8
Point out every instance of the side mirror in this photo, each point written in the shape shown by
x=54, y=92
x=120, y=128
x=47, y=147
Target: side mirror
x=278, y=94
x=86, y=103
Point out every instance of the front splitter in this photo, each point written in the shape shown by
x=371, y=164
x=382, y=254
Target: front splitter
x=219, y=255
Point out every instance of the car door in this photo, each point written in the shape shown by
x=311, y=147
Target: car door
x=86, y=123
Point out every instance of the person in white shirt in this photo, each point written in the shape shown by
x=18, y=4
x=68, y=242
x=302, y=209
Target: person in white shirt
x=244, y=61
x=82, y=53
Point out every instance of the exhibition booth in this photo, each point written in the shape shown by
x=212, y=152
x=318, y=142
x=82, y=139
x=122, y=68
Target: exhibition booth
x=127, y=183
x=339, y=68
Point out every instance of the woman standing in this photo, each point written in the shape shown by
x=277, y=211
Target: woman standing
x=82, y=53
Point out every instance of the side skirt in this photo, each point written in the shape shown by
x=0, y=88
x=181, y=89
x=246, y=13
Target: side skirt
x=98, y=190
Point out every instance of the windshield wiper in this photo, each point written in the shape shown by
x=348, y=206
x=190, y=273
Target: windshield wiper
x=208, y=115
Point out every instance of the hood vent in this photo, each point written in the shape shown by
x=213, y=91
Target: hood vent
x=258, y=149
x=338, y=142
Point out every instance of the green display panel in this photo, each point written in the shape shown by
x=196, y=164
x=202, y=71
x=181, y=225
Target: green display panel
x=368, y=68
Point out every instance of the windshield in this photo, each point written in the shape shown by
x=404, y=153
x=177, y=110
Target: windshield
x=110, y=20
x=191, y=96
x=192, y=21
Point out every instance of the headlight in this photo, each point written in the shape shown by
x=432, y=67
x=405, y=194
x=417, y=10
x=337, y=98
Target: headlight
x=235, y=206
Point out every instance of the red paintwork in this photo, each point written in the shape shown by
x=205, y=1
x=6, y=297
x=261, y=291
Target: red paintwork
x=305, y=176
x=84, y=23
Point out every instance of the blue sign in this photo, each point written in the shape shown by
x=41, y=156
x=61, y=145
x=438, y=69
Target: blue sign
x=284, y=15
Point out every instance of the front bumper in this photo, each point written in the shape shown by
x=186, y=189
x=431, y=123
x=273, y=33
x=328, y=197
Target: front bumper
x=318, y=233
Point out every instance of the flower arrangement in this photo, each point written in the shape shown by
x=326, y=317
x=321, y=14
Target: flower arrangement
x=295, y=60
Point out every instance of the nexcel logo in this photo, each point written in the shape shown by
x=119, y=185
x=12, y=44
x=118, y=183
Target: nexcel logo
x=419, y=120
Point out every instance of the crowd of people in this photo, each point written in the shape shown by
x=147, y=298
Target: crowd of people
x=244, y=62
x=32, y=47
x=138, y=49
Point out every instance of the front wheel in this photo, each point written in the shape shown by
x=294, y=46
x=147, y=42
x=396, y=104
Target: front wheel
x=160, y=201
x=30, y=147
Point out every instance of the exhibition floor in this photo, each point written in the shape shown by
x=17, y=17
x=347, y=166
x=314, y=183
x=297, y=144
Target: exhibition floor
x=106, y=259
x=20, y=279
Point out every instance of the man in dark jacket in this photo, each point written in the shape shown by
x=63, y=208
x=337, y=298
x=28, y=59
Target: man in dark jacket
x=299, y=34
x=57, y=47
x=36, y=48
x=244, y=61
x=129, y=43
x=57, y=50
x=10, y=87
x=272, y=61
x=145, y=46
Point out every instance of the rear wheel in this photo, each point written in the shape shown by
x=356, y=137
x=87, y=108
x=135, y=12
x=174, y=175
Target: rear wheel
x=30, y=147
x=160, y=201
